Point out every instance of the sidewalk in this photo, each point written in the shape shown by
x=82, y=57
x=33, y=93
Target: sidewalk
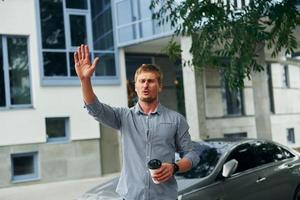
x=64, y=190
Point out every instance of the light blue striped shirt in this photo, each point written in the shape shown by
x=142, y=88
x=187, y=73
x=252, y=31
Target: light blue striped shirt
x=145, y=137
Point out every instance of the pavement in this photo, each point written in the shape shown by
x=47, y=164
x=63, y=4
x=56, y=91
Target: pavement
x=63, y=190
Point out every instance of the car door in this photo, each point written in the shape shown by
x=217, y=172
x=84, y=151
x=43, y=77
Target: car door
x=212, y=191
x=247, y=181
x=278, y=179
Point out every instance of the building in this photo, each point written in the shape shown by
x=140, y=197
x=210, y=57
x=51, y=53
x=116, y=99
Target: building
x=45, y=133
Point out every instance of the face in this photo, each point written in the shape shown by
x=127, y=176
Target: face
x=147, y=87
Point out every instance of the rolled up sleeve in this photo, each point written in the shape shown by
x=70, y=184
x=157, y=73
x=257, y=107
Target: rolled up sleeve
x=184, y=143
x=105, y=114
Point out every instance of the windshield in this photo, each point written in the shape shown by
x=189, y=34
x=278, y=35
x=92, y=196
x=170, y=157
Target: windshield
x=209, y=156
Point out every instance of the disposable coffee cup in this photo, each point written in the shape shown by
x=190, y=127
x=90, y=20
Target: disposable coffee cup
x=153, y=166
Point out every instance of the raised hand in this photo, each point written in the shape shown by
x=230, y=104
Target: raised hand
x=83, y=66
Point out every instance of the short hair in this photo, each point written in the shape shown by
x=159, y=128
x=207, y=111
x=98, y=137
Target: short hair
x=149, y=68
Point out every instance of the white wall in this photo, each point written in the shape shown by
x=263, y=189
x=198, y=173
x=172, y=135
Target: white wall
x=21, y=126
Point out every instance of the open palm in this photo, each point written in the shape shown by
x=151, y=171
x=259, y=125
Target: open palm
x=83, y=66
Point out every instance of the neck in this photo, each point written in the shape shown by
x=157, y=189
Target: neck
x=148, y=107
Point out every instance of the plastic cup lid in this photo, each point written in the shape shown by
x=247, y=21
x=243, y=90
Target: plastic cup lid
x=154, y=164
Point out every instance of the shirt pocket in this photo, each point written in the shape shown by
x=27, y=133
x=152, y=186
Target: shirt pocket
x=165, y=133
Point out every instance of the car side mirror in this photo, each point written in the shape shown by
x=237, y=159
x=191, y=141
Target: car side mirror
x=229, y=168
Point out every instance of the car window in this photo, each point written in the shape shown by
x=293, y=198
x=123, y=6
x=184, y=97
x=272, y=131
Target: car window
x=286, y=153
x=268, y=153
x=245, y=156
x=209, y=157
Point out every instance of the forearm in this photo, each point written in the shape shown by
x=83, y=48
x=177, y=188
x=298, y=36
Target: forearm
x=184, y=164
x=87, y=91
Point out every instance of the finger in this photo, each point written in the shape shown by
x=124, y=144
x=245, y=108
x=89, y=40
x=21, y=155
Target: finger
x=87, y=52
x=76, y=60
x=164, y=178
x=82, y=51
x=79, y=53
x=162, y=171
x=95, y=62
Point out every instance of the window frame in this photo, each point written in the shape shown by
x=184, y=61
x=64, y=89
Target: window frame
x=70, y=80
x=286, y=77
x=5, y=55
x=64, y=139
x=293, y=136
x=27, y=177
x=136, y=25
x=224, y=92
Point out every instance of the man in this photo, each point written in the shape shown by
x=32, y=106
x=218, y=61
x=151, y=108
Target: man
x=148, y=130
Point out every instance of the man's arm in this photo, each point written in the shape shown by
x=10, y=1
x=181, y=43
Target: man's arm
x=85, y=70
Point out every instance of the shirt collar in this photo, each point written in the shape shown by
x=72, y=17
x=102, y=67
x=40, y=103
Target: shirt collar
x=138, y=109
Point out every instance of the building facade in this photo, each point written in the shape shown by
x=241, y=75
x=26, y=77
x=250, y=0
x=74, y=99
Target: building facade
x=45, y=132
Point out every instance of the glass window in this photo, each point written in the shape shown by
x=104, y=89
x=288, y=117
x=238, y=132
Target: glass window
x=146, y=28
x=24, y=166
x=15, y=88
x=18, y=70
x=86, y=23
x=102, y=29
x=209, y=157
x=286, y=153
x=144, y=9
x=270, y=87
x=232, y=100
x=244, y=155
x=78, y=30
x=55, y=64
x=268, y=153
x=291, y=135
x=107, y=65
x=57, y=129
x=52, y=24
x=76, y=4
x=285, y=76
x=124, y=12
x=72, y=64
x=127, y=33
x=2, y=83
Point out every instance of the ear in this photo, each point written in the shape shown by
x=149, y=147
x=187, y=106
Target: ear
x=160, y=88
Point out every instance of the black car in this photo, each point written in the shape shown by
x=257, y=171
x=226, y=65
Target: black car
x=231, y=169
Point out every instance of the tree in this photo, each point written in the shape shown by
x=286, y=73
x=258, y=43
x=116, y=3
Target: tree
x=228, y=36
x=233, y=39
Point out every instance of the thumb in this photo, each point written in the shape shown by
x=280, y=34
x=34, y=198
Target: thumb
x=95, y=62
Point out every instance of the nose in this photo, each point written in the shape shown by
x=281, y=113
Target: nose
x=146, y=84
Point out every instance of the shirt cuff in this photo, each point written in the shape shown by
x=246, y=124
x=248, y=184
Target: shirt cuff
x=193, y=157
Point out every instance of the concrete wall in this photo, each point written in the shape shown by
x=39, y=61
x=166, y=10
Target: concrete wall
x=79, y=159
x=23, y=130
x=287, y=107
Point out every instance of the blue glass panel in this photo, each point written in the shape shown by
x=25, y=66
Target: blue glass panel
x=76, y=4
x=126, y=33
x=55, y=64
x=2, y=83
x=106, y=67
x=18, y=70
x=52, y=24
x=102, y=28
x=78, y=30
x=124, y=12
x=146, y=29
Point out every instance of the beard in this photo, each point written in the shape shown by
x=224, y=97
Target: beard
x=148, y=99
